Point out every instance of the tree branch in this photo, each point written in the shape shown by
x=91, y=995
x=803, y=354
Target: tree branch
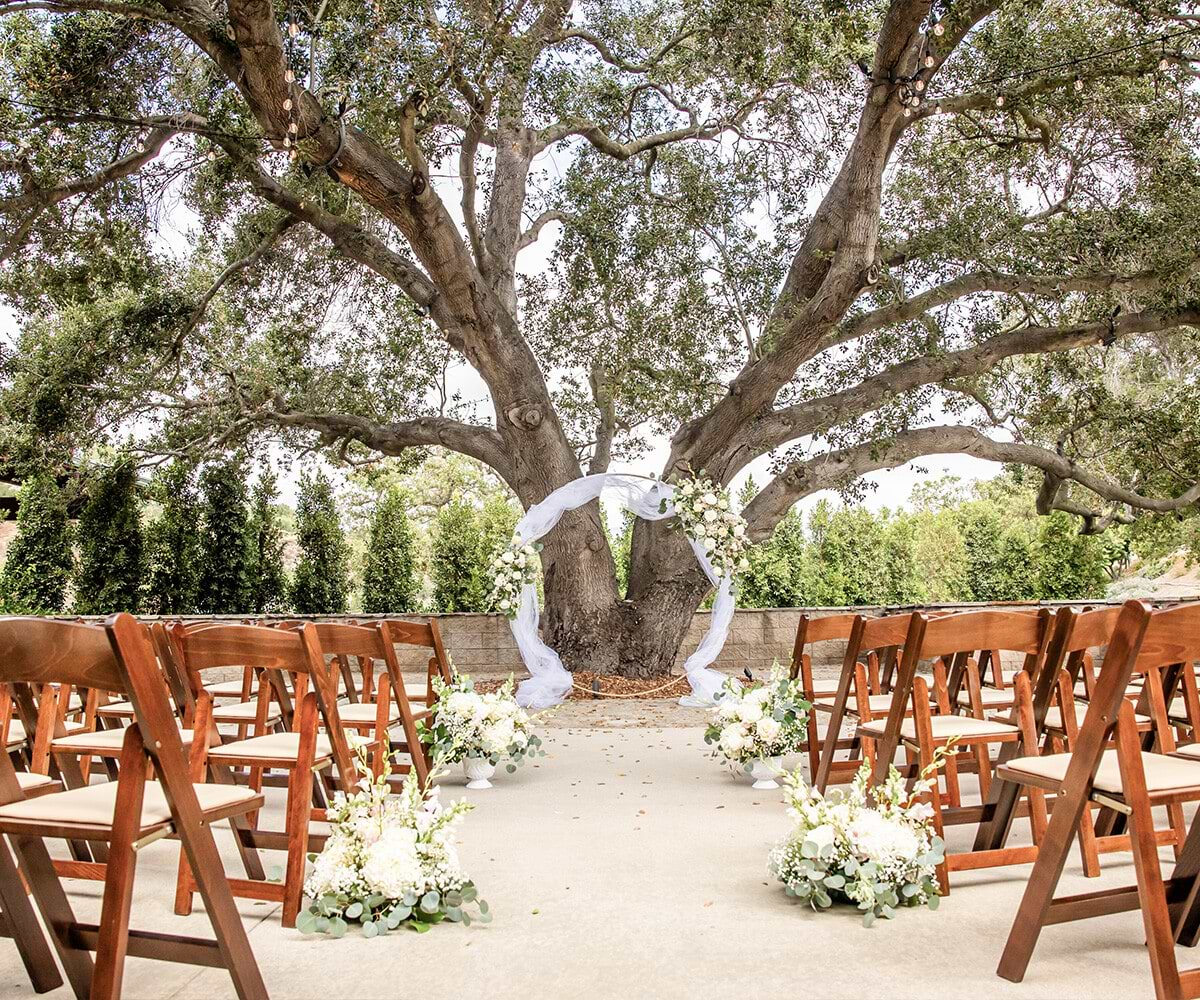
x=843, y=466
x=530, y=236
x=40, y=198
x=815, y=415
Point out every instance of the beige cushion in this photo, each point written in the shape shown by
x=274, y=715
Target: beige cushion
x=945, y=726
x=103, y=742
x=880, y=703
x=364, y=713
x=92, y=806
x=115, y=710
x=273, y=746
x=1192, y=750
x=1163, y=774
x=416, y=689
x=16, y=730
x=244, y=711
x=991, y=697
x=230, y=689
x=33, y=783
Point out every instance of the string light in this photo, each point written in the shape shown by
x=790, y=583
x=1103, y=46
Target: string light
x=1077, y=80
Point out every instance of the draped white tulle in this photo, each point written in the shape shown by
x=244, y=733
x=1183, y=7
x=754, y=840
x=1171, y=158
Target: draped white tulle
x=549, y=681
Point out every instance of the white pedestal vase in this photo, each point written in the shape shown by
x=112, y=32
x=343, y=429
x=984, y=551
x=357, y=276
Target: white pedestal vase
x=763, y=772
x=478, y=770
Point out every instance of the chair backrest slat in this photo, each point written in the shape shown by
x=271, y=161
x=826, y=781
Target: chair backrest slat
x=243, y=646
x=1172, y=636
x=1011, y=631
x=410, y=633
x=38, y=651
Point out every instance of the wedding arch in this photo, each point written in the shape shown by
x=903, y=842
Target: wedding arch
x=549, y=681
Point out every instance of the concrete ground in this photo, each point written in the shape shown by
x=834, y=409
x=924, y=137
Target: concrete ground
x=627, y=864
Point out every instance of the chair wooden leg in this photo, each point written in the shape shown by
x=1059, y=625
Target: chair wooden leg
x=113, y=938
x=1156, y=917
x=1088, y=850
x=299, y=811
x=22, y=925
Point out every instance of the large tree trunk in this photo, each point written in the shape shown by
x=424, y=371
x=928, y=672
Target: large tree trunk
x=587, y=623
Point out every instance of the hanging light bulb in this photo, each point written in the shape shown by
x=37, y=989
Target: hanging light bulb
x=287, y=104
x=289, y=75
x=293, y=127
x=919, y=85
x=937, y=108
x=939, y=29
x=929, y=61
x=286, y=141
x=293, y=29
x=212, y=155
x=1078, y=83
x=1000, y=100
x=1164, y=64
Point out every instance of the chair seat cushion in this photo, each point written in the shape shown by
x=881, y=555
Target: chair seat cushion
x=943, y=727
x=880, y=703
x=35, y=784
x=990, y=697
x=1163, y=774
x=364, y=712
x=17, y=735
x=244, y=712
x=103, y=742
x=282, y=747
x=92, y=806
x=230, y=689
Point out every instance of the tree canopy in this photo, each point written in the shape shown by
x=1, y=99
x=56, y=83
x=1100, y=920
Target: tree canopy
x=845, y=234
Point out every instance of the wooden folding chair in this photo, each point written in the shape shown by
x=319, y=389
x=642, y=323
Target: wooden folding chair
x=1130, y=781
x=128, y=814
x=876, y=641
x=808, y=631
x=429, y=636
x=956, y=640
x=297, y=753
x=384, y=703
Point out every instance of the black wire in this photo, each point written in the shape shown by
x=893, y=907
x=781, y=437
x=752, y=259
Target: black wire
x=1092, y=57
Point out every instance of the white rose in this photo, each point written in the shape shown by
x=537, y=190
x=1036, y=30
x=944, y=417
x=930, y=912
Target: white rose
x=732, y=739
x=710, y=516
x=507, y=557
x=744, y=565
x=767, y=729
x=709, y=545
x=760, y=694
x=505, y=604
x=822, y=836
x=739, y=530
x=709, y=499
x=728, y=709
x=750, y=711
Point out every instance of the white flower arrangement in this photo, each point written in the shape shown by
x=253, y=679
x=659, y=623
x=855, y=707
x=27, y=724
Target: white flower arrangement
x=389, y=861
x=756, y=723
x=874, y=847
x=465, y=723
x=512, y=567
x=705, y=513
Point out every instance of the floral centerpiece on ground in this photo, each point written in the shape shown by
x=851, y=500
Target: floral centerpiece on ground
x=512, y=567
x=874, y=847
x=468, y=724
x=389, y=861
x=758, y=723
x=704, y=511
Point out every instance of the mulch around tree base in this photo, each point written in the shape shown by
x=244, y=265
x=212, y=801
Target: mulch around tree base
x=612, y=688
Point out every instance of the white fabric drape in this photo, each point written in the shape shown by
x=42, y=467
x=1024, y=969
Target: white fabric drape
x=549, y=681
